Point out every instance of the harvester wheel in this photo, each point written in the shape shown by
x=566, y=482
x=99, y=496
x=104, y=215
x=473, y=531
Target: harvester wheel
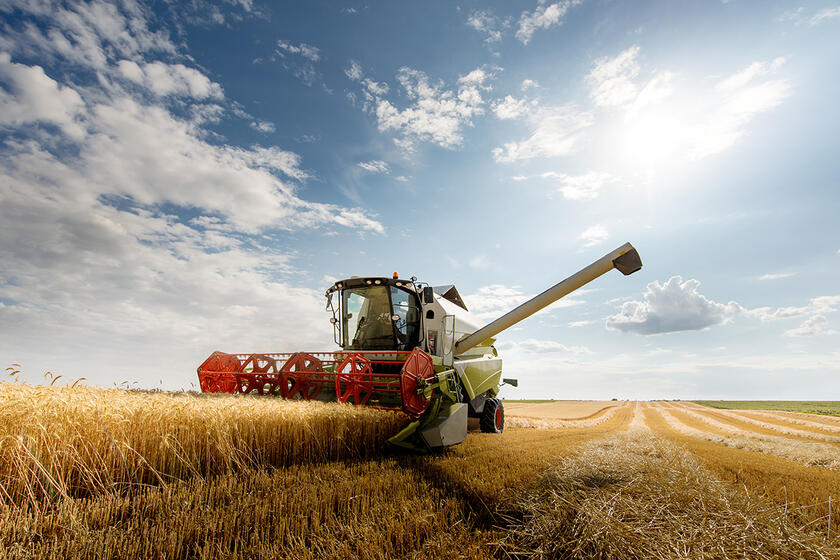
x=493, y=417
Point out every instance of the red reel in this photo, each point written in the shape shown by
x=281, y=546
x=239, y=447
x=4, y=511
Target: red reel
x=354, y=379
x=301, y=377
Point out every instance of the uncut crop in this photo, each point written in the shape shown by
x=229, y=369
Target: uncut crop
x=60, y=442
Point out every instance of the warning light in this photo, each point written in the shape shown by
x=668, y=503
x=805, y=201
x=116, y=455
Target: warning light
x=396, y=275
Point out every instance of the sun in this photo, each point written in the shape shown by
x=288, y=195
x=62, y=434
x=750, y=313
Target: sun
x=651, y=138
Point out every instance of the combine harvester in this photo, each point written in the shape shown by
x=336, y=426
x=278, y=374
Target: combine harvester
x=406, y=346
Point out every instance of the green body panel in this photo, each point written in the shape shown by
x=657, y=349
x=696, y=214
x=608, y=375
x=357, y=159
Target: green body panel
x=479, y=375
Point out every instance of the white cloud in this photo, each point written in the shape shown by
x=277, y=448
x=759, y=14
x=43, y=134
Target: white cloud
x=555, y=132
x=576, y=324
x=580, y=187
x=611, y=80
x=354, y=71
x=374, y=166
x=489, y=24
x=511, y=108
x=671, y=307
x=263, y=126
x=436, y=114
x=528, y=84
x=594, y=235
x=170, y=79
x=821, y=305
x=401, y=179
x=302, y=49
x=542, y=17
x=812, y=326
x=300, y=59
x=32, y=96
x=777, y=275
x=825, y=14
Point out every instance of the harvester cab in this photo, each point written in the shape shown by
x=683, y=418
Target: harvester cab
x=406, y=346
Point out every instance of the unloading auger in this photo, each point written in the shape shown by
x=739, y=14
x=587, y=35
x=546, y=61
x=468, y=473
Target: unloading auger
x=406, y=346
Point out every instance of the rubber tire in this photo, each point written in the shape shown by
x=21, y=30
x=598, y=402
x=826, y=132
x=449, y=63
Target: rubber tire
x=493, y=417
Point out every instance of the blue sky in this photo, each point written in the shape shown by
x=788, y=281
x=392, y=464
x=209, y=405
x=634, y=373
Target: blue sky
x=180, y=179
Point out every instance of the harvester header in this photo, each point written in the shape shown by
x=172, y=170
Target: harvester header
x=406, y=346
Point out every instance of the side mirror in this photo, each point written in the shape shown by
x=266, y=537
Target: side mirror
x=514, y=382
x=428, y=295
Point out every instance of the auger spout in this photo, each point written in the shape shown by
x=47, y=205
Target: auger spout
x=626, y=259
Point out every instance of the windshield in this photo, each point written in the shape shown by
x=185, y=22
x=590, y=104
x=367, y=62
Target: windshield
x=367, y=319
x=379, y=318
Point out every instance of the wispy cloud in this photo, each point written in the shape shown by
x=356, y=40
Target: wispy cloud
x=300, y=59
x=577, y=187
x=486, y=22
x=374, y=166
x=611, y=79
x=777, y=275
x=594, y=235
x=555, y=132
x=825, y=14
x=543, y=17
x=812, y=326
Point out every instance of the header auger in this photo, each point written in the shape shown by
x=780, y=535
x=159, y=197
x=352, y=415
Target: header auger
x=406, y=346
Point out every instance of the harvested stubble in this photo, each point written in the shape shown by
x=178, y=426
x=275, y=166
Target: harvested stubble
x=745, y=421
x=634, y=495
x=806, y=492
x=793, y=420
x=559, y=410
x=702, y=426
x=59, y=442
x=603, y=415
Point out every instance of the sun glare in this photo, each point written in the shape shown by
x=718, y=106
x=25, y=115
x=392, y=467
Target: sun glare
x=651, y=138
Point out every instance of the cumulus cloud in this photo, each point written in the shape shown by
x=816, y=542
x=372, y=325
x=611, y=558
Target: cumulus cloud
x=128, y=231
x=528, y=84
x=170, y=79
x=594, y=235
x=543, y=17
x=555, y=132
x=671, y=307
x=28, y=96
x=374, y=166
x=435, y=113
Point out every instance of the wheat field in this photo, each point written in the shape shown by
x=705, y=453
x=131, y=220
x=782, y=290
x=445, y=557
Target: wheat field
x=94, y=473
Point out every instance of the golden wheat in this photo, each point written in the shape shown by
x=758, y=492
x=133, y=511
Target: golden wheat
x=62, y=441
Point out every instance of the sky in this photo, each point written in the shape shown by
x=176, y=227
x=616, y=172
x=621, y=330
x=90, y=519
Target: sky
x=183, y=177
